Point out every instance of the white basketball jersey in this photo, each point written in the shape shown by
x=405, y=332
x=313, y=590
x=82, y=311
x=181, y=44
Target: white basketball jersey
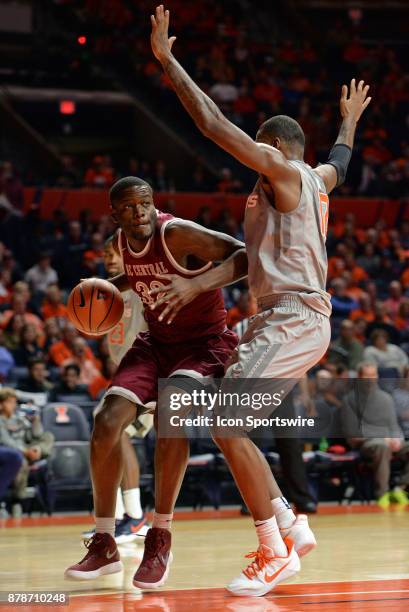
x=121, y=338
x=286, y=251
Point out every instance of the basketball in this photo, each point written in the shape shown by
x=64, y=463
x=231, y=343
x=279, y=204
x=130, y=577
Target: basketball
x=95, y=306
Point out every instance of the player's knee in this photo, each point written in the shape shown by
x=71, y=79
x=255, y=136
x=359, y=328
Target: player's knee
x=105, y=427
x=232, y=447
x=109, y=422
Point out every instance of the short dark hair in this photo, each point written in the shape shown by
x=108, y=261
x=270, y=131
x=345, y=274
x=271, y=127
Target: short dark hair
x=378, y=333
x=72, y=366
x=34, y=361
x=126, y=183
x=285, y=128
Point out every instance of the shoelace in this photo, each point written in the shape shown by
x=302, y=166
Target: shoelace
x=92, y=540
x=260, y=561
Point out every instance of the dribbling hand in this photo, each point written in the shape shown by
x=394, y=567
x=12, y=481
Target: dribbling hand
x=160, y=41
x=354, y=102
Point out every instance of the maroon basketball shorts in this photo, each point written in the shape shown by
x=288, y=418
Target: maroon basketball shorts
x=148, y=360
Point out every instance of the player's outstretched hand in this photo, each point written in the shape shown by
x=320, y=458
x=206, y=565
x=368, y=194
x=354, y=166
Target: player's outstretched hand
x=177, y=293
x=160, y=41
x=354, y=102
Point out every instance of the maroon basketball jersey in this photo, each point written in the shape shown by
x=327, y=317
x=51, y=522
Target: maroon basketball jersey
x=203, y=316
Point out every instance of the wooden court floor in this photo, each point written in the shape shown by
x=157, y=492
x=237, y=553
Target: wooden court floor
x=361, y=563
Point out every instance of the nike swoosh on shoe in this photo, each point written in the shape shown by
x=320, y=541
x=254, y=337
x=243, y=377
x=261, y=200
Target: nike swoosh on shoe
x=110, y=554
x=269, y=579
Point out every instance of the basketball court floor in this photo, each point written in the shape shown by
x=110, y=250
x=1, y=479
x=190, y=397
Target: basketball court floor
x=361, y=563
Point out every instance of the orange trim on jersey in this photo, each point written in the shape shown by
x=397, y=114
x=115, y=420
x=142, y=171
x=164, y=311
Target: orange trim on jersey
x=324, y=212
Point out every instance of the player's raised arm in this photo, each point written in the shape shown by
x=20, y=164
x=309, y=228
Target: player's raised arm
x=352, y=105
x=205, y=113
x=186, y=238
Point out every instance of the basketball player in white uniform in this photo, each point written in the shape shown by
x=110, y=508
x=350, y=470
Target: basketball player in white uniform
x=131, y=524
x=285, y=230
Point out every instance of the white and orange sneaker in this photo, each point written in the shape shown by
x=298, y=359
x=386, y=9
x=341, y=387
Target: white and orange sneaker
x=301, y=534
x=266, y=571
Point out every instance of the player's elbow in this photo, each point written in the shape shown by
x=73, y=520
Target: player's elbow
x=208, y=126
x=211, y=123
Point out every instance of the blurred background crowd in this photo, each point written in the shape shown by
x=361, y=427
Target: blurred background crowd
x=253, y=66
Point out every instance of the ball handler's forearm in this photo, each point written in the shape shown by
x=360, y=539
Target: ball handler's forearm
x=231, y=270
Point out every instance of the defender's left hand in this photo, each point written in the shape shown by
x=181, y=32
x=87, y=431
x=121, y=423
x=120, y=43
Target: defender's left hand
x=160, y=41
x=176, y=293
x=354, y=102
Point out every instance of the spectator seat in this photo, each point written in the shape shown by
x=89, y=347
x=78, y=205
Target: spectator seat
x=66, y=421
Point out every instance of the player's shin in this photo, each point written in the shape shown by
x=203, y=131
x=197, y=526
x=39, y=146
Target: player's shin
x=102, y=555
x=275, y=560
x=107, y=453
x=171, y=457
x=246, y=465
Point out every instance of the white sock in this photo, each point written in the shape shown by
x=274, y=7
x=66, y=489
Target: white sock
x=132, y=502
x=119, y=508
x=283, y=513
x=162, y=521
x=269, y=535
x=105, y=525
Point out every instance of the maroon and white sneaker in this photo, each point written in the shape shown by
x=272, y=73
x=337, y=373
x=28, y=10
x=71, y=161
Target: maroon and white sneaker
x=101, y=559
x=154, y=568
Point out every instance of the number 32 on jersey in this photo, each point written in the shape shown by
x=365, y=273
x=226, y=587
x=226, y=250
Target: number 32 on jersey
x=324, y=212
x=143, y=289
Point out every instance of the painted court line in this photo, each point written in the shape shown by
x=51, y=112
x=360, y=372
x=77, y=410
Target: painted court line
x=352, y=601
x=276, y=596
x=323, y=594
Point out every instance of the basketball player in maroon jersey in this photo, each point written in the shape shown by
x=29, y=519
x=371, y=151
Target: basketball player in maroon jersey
x=187, y=336
x=285, y=229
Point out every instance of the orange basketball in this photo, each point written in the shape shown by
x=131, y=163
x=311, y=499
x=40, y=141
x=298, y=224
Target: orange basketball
x=95, y=306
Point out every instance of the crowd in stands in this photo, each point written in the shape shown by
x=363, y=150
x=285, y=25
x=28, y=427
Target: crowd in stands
x=253, y=74
x=101, y=174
